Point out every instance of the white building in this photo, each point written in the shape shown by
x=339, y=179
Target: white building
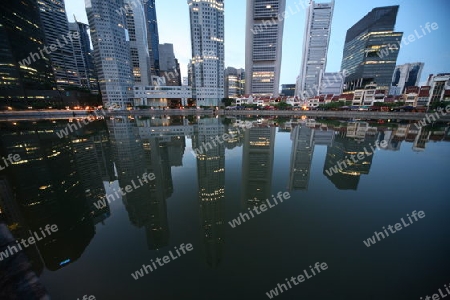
x=159, y=96
x=263, y=46
x=368, y=96
x=439, y=84
x=207, y=42
x=405, y=76
x=111, y=51
x=315, y=48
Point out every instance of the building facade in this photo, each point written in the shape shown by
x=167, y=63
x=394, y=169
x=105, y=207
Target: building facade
x=56, y=28
x=439, y=84
x=371, y=49
x=263, y=46
x=83, y=57
x=22, y=68
x=112, y=59
x=332, y=83
x=153, y=35
x=315, y=48
x=288, y=90
x=234, y=82
x=405, y=76
x=169, y=66
x=137, y=33
x=207, y=42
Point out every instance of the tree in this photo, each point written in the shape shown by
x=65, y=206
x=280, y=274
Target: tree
x=283, y=106
x=227, y=101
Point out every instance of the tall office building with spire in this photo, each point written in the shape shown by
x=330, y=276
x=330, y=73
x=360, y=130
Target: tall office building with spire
x=207, y=42
x=315, y=48
x=263, y=46
x=110, y=38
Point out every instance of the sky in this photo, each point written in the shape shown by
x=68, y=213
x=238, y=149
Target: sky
x=433, y=48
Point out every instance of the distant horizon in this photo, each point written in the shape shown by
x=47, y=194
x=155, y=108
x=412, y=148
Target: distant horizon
x=174, y=28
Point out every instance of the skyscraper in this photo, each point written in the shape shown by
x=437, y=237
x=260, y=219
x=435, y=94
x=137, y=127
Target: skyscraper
x=234, y=82
x=111, y=51
x=263, y=46
x=315, y=48
x=137, y=31
x=83, y=57
x=207, y=42
x=153, y=35
x=17, y=46
x=168, y=65
x=371, y=49
x=56, y=27
x=405, y=76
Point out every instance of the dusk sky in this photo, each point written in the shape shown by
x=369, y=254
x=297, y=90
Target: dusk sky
x=432, y=49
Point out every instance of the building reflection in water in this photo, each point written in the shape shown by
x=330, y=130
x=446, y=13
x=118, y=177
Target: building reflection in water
x=58, y=180
x=357, y=138
x=257, y=165
x=55, y=182
x=211, y=187
x=137, y=151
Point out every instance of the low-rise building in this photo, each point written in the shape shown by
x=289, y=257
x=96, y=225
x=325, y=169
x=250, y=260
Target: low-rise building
x=161, y=96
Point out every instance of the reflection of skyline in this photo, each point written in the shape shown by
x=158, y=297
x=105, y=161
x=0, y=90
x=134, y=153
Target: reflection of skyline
x=356, y=140
x=136, y=154
x=59, y=179
x=301, y=157
x=257, y=165
x=211, y=188
x=51, y=185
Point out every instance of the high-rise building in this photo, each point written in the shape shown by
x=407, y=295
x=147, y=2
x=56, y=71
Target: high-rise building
x=288, y=90
x=332, y=83
x=315, y=48
x=83, y=57
x=56, y=27
x=168, y=65
x=234, y=82
x=371, y=49
x=405, y=76
x=263, y=46
x=207, y=42
x=153, y=35
x=137, y=31
x=112, y=59
x=23, y=67
x=166, y=57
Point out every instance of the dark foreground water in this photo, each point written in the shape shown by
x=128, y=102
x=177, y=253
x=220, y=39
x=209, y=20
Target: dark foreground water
x=333, y=207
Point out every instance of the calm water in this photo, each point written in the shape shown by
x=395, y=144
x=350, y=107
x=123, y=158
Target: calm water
x=193, y=199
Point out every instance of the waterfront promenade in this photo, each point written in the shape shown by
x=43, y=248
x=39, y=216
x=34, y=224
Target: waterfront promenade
x=66, y=114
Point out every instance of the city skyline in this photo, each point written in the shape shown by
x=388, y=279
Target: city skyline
x=434, y=58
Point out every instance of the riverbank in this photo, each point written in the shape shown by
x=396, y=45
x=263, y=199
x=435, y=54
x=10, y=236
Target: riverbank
x=65, y=114
x=19, y=115
x=374, y=115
